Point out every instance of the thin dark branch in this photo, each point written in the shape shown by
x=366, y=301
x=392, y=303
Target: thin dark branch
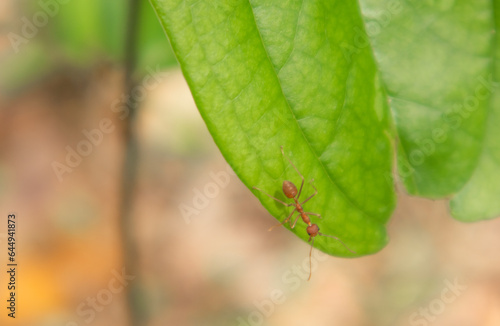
x=130, y=247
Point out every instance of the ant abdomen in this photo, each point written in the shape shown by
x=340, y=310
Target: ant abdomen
x=289, y=189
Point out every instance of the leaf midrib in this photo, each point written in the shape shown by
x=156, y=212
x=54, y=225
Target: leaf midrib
x=347, y=198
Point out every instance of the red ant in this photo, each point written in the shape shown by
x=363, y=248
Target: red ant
x=290, y=191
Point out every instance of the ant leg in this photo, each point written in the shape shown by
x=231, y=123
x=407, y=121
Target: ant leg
x=315, y=214
x=301, y=186
x=284, y=221
x=310, y=262
x=331, y=236
x=280, y=201
x=315, y=192
x=295, y=222
x=301, y=176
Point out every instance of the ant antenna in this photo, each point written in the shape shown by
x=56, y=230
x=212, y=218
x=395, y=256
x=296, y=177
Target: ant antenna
x=312, y=245
x=310, y=260
x=342, y=242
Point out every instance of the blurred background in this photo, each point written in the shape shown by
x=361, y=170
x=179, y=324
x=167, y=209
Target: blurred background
x=130, y=218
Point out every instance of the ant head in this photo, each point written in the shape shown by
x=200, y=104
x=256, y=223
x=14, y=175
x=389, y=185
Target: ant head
x=313, y=230
x=289, y=189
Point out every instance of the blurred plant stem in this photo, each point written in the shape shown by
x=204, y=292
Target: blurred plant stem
x=136, y=309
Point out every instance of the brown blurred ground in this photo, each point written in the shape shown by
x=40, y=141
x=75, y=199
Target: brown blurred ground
x=214, y=269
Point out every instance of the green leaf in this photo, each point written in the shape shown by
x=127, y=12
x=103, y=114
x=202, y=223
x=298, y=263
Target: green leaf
x=433, y=56
x=266, y=74
x=437, y=61
x=480, y=198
